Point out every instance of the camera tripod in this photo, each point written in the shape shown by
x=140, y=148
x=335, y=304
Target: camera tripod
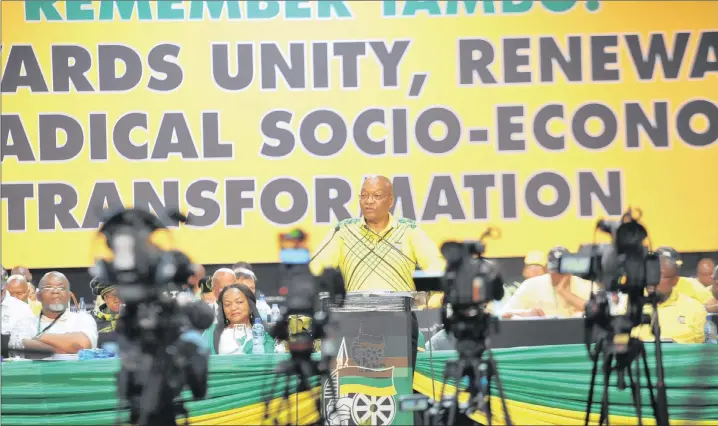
x=303, y=368
x=480, y=372
x=625, y=351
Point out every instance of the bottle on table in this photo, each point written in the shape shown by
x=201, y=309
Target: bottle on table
x=82, y=307
x=276, y=313
x=257, y=337
x=711, y=331
x=263, y=308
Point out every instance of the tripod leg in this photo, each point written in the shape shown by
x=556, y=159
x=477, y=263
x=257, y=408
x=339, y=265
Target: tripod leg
x=269, y=396
x=636, y=391
x=459, y=373
x=286, y=402
x=495, y=372
x=648, y=381
x=487, y=374
x=591, y=387
x=608, y=360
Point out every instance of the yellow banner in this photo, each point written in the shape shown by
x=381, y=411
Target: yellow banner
x=258, y=116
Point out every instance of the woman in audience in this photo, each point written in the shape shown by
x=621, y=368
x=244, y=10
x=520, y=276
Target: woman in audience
x=232, y=334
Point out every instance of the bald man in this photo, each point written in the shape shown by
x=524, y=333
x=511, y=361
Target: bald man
x=58, y=329
x=379, y=251
x=18, y=287
x=22, y=270
x=704, y=272
x=221, y=278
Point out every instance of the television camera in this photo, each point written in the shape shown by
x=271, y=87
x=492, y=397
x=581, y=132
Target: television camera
x=470, y=283
x=625, y=266
x=303, y=300
x=159, y=341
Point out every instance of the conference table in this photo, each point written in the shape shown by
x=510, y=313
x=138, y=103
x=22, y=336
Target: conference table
x=543, y=385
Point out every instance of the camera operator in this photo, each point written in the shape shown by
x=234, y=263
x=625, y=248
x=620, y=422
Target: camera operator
x=552, y=294
x=682, y=318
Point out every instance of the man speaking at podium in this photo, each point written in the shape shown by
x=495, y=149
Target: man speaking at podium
x=378, y=252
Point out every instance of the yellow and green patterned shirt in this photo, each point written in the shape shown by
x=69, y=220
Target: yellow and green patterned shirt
x=383, y=261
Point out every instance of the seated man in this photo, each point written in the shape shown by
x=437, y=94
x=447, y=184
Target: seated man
x=686, y=286
x=704, y=271
x=58, y=329
x=108, y=312
x=246, y=277
x=17, y=317
x=18, y=287
x=221, y=278
x=682, y=319
x=551, y=294
x=21, y=270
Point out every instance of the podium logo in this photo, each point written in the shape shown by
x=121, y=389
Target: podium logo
x=356, y=395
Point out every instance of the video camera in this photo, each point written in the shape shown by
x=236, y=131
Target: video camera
x=159, y=342
x=303, y=293
x=624, y=266
x=470, y=282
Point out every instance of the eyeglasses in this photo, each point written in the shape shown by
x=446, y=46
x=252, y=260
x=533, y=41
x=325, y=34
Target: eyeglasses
x=375, y=197
x=55, y=289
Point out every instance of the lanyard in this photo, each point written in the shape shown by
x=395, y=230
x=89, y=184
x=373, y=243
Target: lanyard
x=39, y=319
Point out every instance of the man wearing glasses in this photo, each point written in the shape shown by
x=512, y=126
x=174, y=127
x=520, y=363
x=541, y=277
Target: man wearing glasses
x=57, y=329
x=378, y=252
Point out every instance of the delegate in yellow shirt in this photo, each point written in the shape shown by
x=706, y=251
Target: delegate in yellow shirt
x=681, y=318
x=692, y=288
x=539, y=293
x=372, y=261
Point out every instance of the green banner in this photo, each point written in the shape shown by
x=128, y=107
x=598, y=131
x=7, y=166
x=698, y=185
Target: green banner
x=543, y=385
x=549, y=385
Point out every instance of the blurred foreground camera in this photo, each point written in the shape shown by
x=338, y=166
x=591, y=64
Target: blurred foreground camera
x=625, y=265
x=160, y=347
x=470, y=283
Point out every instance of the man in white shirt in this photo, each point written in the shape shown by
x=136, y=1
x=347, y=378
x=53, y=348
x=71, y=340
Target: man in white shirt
x=58, y=329
x=221, y=278
x=16, y=315
x=551, y=294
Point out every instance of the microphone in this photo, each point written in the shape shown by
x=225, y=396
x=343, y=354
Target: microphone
x=336, y=229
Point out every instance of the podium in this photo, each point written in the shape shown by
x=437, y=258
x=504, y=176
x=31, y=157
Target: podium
x=372, y=353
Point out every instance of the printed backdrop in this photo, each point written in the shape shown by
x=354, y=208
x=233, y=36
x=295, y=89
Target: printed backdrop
x=255, y=117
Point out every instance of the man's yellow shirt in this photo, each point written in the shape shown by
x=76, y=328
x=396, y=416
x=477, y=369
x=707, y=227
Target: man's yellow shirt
x=383, y=261
x=694, y=289
x=539, y=293
x=681, y=318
